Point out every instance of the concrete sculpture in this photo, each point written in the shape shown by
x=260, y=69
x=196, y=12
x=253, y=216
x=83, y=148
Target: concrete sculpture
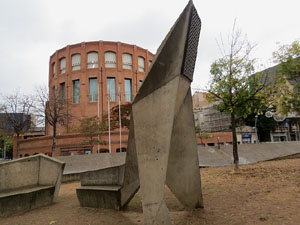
x=162, y=145
x=29, y=183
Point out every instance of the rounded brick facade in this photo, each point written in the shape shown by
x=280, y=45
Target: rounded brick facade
x=82, y=74
x=91, y=65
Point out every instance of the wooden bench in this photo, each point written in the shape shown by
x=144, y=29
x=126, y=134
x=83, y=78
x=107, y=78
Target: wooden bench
x=29, y=183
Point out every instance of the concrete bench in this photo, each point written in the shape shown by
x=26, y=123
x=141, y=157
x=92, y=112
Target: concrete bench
x=101, y=188
x=29, y=183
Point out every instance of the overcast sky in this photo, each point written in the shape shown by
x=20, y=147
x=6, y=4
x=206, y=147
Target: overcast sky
x=32, y=30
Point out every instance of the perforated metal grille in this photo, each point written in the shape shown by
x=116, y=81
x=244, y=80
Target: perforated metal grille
x=191, y=45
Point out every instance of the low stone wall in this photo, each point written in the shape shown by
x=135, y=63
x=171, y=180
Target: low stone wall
x=248, y=153
x=29, y=183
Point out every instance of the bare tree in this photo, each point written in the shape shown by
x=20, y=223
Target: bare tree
x=233, y=83
x=16, y=114
x=51, y=110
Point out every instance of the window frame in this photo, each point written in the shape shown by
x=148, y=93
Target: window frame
x=93, y=97
x=61, y=69
x=141, y=68
x=73, y=96
x=107, y=62
x=77, y=66
x=127, y=65
x=95, y=64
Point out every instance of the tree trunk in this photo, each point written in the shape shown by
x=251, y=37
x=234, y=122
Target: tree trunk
x=234, y=144
x=54, y=141
x=18, y=145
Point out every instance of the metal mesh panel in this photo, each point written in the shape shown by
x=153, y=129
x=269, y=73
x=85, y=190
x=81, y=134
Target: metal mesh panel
x=191, y=45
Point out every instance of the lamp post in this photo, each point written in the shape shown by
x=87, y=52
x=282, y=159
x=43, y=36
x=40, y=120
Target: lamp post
x=257, y=141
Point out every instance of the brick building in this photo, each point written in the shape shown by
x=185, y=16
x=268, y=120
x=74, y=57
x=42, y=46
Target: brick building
x=86, y=76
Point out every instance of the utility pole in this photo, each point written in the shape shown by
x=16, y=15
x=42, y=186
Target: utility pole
x=4, y=149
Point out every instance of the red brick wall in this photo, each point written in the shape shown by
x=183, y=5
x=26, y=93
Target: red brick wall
x=43, y=144
x=224, y=137
x=86, y=108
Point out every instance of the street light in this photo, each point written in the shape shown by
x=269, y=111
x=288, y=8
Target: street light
x=257, y=141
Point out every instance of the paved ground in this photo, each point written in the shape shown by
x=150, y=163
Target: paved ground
x=209, y=156
x=265, y=193
x=248, y=153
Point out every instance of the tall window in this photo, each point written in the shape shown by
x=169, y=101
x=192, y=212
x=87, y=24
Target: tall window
x=127, y=61
x=62, y=63
x=76, y=91
x=128, y=90
x=110, y=60
x=62, y=91
x=141, y=63
x=76, y=60
x=53, y=92
x=141, y=82
x=150, y=62
x=93, y=89
x=53, y=69
x=92, y=60
x=111, y=88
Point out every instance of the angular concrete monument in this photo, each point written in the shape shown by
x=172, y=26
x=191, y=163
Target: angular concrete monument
x=162, y=144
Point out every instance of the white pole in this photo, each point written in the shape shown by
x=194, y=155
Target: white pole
x=120, y=120
x=98, y=151
x=108, y=110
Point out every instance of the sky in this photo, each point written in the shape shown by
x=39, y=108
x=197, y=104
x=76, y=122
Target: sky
x=32, y=30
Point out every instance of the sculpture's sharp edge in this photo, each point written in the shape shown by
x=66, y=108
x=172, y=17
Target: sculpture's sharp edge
x=131, y=179
x=168, y=61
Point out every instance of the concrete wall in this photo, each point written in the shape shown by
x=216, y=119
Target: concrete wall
x=248, y=153
x=19, y=173
x=107, y=176
x=38, y=170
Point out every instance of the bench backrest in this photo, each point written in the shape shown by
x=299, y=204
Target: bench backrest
x=37, y=170
x=107, y=176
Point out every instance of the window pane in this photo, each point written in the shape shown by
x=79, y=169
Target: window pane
x=127, y=61
x=53, y=92
x=76, y=91
x=110, y=60
x=111, y=89
x=62, y=91
x=128, y=91
x=76, y=60
x=93, y=90
x=141, y=82
x=92, y=60
x=53, y=69
x=62, y=65
x=141, y=62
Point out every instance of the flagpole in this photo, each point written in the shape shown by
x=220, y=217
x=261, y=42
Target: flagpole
x=120, y=119
x=108, y=110
x=98, y=109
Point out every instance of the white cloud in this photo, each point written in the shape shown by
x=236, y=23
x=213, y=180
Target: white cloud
x=32, y=30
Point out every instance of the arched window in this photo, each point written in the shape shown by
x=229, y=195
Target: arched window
x=92, y=60
x=141, y=63
x=62, y=63
x=127, y=61
x=76, y=61
x=110, y=60
x=53, y=69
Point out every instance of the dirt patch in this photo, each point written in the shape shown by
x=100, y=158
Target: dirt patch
x=264, y=193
